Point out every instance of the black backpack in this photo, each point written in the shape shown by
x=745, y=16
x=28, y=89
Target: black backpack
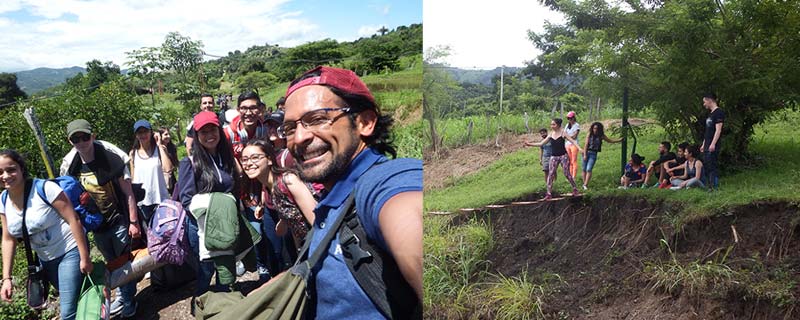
x=376, y=272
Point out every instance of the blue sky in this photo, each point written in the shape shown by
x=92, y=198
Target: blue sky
x=57, y=34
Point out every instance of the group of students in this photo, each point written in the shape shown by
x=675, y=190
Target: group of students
x=282, y=192
x=560, y=146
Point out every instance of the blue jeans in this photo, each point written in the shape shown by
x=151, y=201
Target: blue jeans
x=711, y=168
x=204, y=269
x=272, y=242
x=264, y=256
x=64, y=273
x=115, y=242
x=589, y=161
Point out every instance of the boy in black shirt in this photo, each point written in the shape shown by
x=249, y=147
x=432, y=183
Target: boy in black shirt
x=710, y=146
x=664, y=155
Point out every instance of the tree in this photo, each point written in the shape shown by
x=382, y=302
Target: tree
x=438, y=88
x=97, y=73
x=671, y=52
x=255, y=80
x=146, y=64
x=183, y=56
x=9, y=91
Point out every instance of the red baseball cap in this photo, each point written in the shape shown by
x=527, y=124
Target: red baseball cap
x=341, y=79
x=203, y=118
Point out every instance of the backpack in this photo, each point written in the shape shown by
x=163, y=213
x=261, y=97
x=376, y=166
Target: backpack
x=81, y=201
x=166, y=240
x=95, y=301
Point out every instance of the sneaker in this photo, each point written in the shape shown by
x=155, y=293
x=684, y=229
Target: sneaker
x=585, y=188
x=675, y=188
x=656, y=185
x=548, y=197
x=263, y=274
x=129, y=310
x=116, y=306
x=575, y=193
x=664, y=185
x=239, y=268
x=622, y=187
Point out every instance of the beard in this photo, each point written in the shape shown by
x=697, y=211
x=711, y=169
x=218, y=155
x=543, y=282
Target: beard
x=332, y=170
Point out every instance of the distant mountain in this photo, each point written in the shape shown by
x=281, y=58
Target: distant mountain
x=32, y=81
x=483, y=77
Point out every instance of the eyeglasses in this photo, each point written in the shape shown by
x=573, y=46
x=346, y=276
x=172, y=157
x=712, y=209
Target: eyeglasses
x=78, y=138
x=313, y=120
x=253, y=159
x=252, y=109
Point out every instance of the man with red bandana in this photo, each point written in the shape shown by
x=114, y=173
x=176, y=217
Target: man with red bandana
x=339, y=138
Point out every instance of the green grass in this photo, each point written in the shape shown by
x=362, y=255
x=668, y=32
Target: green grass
x=515, y=298
x=454, y=260
x=519, y=173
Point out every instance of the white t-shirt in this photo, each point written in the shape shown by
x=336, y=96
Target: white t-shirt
x=148, y=172
x=571, y=131
x=50, y=235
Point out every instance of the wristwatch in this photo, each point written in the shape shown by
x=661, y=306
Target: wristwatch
x=134, y=222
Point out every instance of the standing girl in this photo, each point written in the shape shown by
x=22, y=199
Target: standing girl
x=165, y=138
x=559, y=156
x=54, y=231
x=210, y=168
x=147, y=168
x=294, y=199
x=593, y=145
x=573, y=129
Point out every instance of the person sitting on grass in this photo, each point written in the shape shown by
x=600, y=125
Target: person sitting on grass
x=655, y=167
x=634, y=172
x=594, y=142
x=558, y=156
x=674, y=168
x=693, y=173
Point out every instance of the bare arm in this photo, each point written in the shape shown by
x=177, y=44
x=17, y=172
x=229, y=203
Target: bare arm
x=9, y=244
x=698, y=166
x=302, y=196
x=64, y=208
x=538, y=144
x=609, y=140
x=401, y=224
x=127, y=190
x=717, y=133
x=573, y=142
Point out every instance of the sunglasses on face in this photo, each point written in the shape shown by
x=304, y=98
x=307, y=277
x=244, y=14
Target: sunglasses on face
x=313, y=120
x=77, y=138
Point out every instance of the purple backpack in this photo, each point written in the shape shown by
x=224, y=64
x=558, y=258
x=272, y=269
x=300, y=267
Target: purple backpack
x=166, y=241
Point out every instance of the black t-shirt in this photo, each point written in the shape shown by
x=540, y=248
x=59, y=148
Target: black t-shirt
x=717, y=116
x=665, y=157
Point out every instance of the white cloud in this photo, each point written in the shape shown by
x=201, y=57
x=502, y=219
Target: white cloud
x=366, y=31
x=485, y=34
x=105, y=30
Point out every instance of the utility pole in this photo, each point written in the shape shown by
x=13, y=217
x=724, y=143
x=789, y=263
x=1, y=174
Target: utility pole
x=624, y=130
x=502, y=70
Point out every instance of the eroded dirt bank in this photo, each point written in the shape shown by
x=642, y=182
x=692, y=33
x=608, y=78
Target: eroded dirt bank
x=601, y=249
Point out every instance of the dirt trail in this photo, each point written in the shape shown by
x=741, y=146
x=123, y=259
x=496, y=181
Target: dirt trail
x=441, y=170
x=601, y=248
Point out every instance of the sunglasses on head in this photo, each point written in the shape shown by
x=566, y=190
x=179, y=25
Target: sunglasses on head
x=76, y=138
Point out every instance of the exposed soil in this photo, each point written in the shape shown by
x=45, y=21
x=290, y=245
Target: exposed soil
x=442, y=168
x=600, y=248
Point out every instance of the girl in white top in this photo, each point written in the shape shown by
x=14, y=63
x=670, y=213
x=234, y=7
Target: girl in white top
x=147, y=167
x=55, y=232
x=572, y=129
